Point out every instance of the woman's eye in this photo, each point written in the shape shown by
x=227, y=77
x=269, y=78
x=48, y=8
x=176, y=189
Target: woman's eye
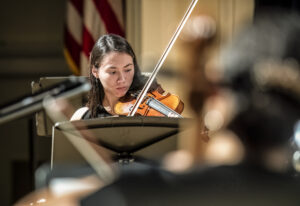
x=128, y=70
x=112, y=73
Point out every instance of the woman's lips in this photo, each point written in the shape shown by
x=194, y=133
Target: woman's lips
x=122, y=88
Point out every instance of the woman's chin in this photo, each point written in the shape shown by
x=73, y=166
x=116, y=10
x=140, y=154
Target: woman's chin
x=121, y=92
x=119, y=95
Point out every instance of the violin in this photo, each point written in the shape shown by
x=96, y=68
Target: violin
x=155, y=103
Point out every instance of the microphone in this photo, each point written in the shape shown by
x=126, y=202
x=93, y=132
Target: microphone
x=32, y=103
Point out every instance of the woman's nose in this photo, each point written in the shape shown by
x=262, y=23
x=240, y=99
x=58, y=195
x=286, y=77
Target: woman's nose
x=122, y=77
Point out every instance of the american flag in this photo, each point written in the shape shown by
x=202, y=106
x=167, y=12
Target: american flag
x=86, y=21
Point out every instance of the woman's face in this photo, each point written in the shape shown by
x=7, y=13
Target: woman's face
x=115, y=73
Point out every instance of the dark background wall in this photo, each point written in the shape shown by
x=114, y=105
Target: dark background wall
x=31, y=46
x=291, y=5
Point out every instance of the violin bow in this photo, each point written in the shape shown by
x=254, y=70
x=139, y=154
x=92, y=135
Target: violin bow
x=162, y=58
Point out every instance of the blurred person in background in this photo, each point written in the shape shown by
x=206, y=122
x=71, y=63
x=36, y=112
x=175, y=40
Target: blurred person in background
x=259, y=85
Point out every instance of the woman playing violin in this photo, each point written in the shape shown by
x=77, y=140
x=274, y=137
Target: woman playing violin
x=114, y=74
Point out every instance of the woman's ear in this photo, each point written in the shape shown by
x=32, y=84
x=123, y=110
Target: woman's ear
x=95, y=72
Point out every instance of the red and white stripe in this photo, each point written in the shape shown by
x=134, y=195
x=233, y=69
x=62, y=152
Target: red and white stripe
x=86, y=21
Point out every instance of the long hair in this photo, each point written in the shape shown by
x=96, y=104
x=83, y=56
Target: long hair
x=104, y=45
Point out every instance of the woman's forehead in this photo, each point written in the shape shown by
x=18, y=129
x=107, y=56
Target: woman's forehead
x=116, y=58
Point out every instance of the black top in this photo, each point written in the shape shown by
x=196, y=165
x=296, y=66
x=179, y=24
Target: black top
x=101, y=112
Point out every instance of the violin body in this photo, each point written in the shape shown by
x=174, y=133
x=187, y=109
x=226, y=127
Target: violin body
x=162, y=105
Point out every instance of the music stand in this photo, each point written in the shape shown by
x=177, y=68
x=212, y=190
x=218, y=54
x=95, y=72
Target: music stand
x=124, y=137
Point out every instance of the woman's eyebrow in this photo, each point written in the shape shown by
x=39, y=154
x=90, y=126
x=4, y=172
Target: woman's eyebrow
x=127, y=65
x=111, y=68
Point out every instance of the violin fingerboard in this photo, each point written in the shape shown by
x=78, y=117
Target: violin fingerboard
x=160, y=107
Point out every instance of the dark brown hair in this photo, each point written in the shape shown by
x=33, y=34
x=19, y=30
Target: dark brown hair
x=106, y=44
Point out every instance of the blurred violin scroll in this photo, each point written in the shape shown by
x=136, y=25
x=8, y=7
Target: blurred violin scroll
x=197, y=41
